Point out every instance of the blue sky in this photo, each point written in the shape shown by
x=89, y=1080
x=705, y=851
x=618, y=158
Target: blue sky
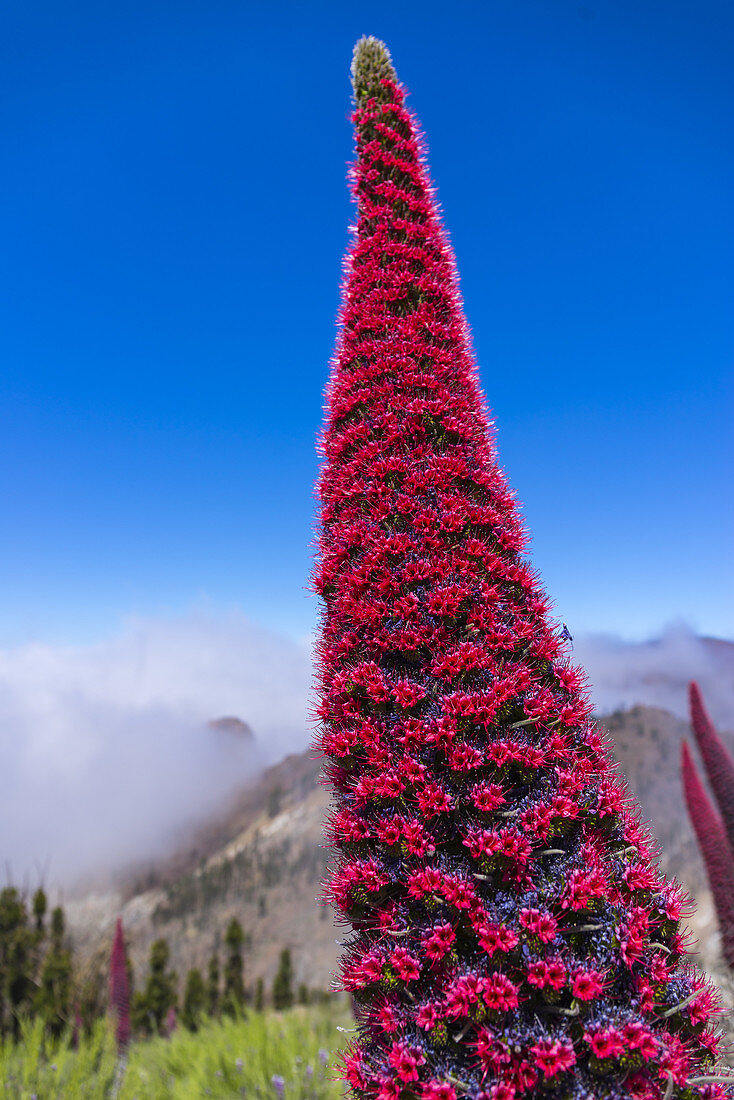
x=174, y=215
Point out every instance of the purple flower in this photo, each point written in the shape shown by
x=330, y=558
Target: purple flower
x=278, y=1085
x=324, y=1056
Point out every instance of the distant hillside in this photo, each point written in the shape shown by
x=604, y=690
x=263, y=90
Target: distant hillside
x=262, y=861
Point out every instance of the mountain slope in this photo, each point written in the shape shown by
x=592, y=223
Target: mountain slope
x=262, y=861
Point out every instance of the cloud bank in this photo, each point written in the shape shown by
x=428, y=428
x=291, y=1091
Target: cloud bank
x=657, y=672
x=106, y=754
x=107, y=757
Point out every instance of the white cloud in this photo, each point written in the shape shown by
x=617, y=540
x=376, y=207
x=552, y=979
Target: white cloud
x=106, y=754
x=657, y=672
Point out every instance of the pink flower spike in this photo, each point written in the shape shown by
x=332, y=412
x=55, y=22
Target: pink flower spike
x=715, y=849
x=717, y=759
x=120, y=988
x=510, y=926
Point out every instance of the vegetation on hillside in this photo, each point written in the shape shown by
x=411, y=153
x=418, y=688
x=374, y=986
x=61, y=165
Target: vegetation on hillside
x=35, y=963
x=273, y=1056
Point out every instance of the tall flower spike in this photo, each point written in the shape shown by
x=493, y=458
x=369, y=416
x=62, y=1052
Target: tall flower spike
x=715, y=848
x=716, y=758
x=120, y=989
x=511, y=931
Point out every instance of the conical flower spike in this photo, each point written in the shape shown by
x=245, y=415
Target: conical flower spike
x=716, y=758
x=714, y=845
x=512, y=934
x=119, y=988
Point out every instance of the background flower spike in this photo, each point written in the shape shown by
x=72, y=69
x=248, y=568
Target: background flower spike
x=717, y=760
x=708, y=823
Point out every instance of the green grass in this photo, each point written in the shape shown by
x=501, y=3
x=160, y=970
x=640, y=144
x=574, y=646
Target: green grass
x=226, y=1059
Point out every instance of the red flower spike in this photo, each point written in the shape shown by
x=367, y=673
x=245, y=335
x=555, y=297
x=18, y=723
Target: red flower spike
x=717, y=759
x=120, y=988
x=715, y=849
x=507, y=913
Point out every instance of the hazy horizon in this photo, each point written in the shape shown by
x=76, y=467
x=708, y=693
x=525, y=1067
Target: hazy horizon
x=108, y=757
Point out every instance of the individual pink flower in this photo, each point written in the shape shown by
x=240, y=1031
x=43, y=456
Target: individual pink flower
x=438, y=941
x=543, y=925
x=586, y=985
x=499, y=993
x=606, y=1042
x=553, y=1056
x=497, y=937
x=428, y=1015
x=438, y=1090
x=405, y=966
x=542, y=973
x=405, y=1061
x=487, y=796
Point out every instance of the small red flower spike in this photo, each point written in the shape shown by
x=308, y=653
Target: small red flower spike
x=715, y=848
x=717, y=759
x=120, y=988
